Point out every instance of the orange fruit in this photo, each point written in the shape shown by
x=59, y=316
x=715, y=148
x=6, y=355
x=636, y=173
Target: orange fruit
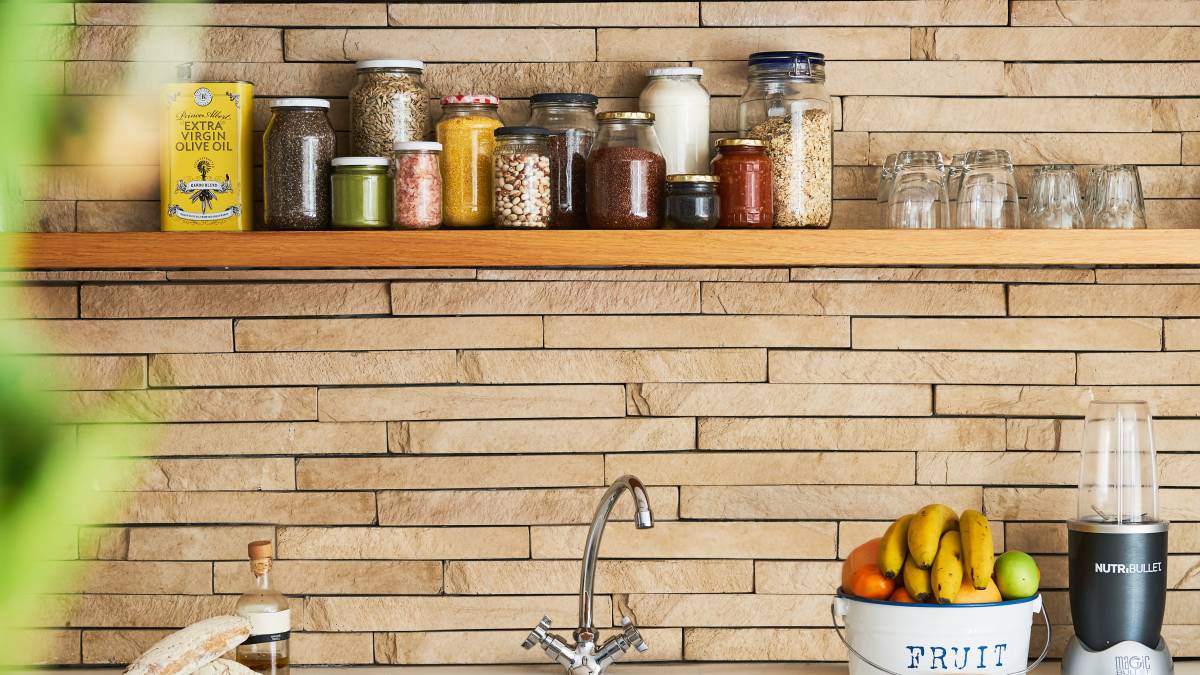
x=868, y=582
x=901, y=595
x=969, y=595
x=865, y=554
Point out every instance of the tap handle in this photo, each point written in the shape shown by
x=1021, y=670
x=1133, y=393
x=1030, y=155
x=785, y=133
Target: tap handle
x=537, y=636
x=632, y=635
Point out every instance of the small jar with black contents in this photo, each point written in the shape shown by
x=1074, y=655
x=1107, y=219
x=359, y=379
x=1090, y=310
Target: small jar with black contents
x=691, y=201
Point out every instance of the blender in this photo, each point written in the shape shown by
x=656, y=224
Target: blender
x=1117, y=549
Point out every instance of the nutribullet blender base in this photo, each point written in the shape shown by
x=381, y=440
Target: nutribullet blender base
x=1124, y=658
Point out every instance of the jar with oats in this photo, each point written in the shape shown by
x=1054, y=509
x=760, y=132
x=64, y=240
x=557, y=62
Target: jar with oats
x=466, y=134
x=388, y=105
x=786, y=106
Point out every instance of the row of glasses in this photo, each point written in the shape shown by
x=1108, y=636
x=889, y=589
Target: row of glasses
x=920, y=187
x=978, y=190
x=1113, y=199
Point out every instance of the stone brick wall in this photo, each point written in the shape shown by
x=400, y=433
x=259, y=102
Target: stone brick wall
x=426, y=447
x=1079, y=81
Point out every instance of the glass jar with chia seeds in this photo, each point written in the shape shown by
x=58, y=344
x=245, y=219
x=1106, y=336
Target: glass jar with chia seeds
x=625, y=173
x=521, y=177
x=417, y=180
x=388, y=104
x=297, y=148
x=362, y=193
x=465, y=132
x=692, y=201
x=571, y=120
x=786, y=106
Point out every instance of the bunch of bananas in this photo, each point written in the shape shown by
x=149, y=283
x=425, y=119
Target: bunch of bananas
x=933, y=552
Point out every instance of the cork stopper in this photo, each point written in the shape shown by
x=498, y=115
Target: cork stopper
x=260, y=550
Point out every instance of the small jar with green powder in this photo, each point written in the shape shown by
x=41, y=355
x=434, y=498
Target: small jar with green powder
x=362, y=193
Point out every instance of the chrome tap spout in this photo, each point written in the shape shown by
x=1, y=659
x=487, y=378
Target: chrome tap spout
x=586, y=657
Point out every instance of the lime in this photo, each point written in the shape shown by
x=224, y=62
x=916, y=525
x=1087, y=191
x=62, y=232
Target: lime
x=1017, y=575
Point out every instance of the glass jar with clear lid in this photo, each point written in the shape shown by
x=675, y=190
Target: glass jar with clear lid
x=388, y=105
x=625, y=173
x=786, y=106
x=571, y=120
x=466, y=134
x=362, y=193
x=522, y=177
x=298, y=146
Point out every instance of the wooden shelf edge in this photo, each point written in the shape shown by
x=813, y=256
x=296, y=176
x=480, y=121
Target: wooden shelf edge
x=600, y=248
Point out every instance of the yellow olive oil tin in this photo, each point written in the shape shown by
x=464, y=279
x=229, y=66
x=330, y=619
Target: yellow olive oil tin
x=207, y=161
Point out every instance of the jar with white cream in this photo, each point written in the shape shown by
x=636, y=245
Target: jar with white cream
x=680, y=106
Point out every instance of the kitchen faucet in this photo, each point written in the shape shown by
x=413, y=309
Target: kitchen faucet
x=585, y=657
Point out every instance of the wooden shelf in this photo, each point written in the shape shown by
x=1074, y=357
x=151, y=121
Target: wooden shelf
x=602, y=248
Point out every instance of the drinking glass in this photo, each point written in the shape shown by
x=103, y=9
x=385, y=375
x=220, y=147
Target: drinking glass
x=987, y=198
x=953, y=181
x=919, y=199
x=1119, y=204
x=886, y=174
x=1054, y=199
x=1091, y=193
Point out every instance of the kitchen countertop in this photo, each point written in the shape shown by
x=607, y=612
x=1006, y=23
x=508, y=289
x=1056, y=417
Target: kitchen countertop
x=1048, y=668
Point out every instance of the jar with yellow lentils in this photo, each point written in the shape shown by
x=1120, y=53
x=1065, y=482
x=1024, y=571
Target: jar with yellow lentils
x=466, y=134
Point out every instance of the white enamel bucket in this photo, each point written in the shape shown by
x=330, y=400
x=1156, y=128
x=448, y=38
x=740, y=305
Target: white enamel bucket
x=895, y=638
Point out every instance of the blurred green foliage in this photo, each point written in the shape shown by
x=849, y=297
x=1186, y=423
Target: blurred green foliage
x=46, y=483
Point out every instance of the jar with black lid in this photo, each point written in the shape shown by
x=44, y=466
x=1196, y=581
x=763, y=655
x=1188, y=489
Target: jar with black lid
x=521, y=178
x=571, y=120
x=297, y=148
x=692, y=201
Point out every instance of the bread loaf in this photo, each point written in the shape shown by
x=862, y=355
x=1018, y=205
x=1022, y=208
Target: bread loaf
x=186, y=650
x=223, y=667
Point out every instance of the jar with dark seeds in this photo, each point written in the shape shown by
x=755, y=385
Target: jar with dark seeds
x=625, y=173
x=297, y=147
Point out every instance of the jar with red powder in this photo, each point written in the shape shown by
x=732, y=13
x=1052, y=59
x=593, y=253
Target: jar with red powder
x=745, y=189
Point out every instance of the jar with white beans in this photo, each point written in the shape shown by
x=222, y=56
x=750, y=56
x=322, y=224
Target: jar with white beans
x=521, y=177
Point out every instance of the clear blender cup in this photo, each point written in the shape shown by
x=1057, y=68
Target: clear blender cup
x=1117, y=545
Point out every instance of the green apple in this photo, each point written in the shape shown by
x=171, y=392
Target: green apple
x=1017, y=575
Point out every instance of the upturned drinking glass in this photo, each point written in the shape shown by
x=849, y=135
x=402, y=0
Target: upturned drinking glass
x=1054, y=199
x=987, y=198
x=1090, y=194
x=887, y=174
x=1119, y=204
x=919, y=199
x=954, y=176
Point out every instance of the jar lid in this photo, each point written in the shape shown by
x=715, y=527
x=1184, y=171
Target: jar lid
x=470, y=99
x=299, y=103
x=669, y=72
x=565, y=98
x=417, y=146
x=410, y=64
x=693, y=178
x=618, y=116
x=786, y=58
x=750, y=142
x=521, y=131
x=360, y=161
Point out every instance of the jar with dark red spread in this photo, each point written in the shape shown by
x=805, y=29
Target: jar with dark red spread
x=625, y=173
x=745, y=189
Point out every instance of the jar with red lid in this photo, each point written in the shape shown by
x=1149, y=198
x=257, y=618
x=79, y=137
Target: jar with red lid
x=745, y=188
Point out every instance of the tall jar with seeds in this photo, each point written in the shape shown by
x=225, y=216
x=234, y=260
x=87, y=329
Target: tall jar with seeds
x=388, y=104
x=298, y=147
x=786, y=106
